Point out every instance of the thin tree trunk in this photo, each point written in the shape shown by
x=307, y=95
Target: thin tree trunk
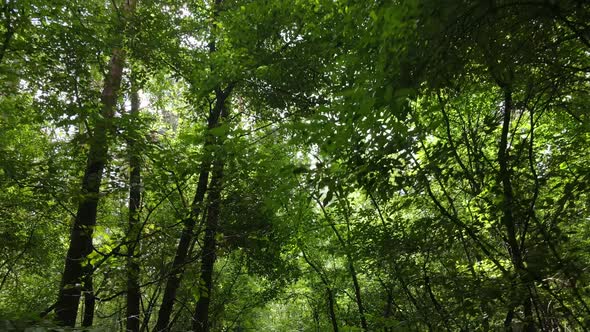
x=177, y=269
x=357, y=293
x=147, y=313
x=351, y=268
x=81, y=234
x=186, y=237
x=329, y=292
x=387, y=312
x=89, y=298
x=133, y=235
x=435, y=302
x=208, y=256
x=398, y=273
x=508, y=220
x=212, y=213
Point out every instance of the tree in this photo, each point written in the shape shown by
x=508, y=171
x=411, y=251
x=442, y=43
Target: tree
x=296, y=165
x=76, y=270
x=134, y=231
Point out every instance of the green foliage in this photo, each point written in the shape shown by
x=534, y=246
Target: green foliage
x=418, y=165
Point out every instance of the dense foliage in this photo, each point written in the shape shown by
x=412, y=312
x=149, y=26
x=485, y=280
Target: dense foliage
x=308, y=165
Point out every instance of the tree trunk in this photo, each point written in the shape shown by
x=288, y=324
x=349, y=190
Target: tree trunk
x=357, y=294
x=351, y=268
x=331, y=311
x=81, y=234
x=509, y=222
x=329, y=291
x=89, y=298
x=208, y=256
x=134, y=231
x=387, y=313
x=147, y=313
x=186, y=237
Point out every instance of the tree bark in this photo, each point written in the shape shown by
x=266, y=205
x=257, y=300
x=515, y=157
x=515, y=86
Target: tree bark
x=331, y=311
x=186, y=236
x=134, y=231
x=208, y=256
x=89, y=298
x=357, y=293
x=81, y=234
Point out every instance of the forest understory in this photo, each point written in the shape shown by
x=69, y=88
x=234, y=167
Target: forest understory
x=294, y=165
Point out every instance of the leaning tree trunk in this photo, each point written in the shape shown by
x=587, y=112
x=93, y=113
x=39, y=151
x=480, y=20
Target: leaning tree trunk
x=134, y=231
x=351, y=267
x=329, y=291
x=186, y=236
x=75, y=274
x=208, y=254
